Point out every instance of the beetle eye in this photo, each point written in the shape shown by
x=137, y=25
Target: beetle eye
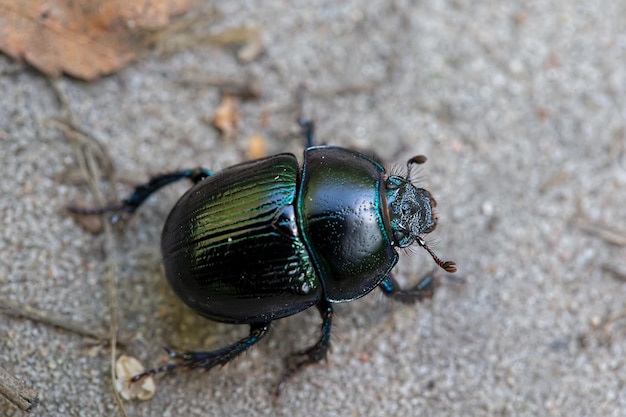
x=393, y=182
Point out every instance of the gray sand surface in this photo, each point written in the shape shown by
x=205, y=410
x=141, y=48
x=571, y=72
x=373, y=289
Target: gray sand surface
x=520, y=108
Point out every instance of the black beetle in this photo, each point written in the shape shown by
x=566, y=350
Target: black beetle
x=267, y=239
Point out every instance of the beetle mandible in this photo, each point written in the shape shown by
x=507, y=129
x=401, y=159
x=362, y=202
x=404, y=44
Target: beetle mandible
x=267, y=239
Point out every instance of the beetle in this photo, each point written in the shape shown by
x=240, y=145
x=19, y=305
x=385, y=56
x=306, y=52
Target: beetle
x=267, y=239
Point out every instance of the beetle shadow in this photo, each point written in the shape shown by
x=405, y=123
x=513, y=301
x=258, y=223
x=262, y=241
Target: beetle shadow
x=176, y=326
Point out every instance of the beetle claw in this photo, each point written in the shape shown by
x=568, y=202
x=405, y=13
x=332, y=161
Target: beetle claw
x=175, y=355
x=314, y=354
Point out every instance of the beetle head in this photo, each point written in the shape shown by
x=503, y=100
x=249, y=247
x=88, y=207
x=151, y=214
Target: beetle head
x=411, y=213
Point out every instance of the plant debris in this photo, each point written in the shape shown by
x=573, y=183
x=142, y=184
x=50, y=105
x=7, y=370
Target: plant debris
x=227, y=116
x=125, y=368
x=81, y=38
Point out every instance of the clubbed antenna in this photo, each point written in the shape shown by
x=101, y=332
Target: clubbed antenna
x=418, y=160
x=447, y=266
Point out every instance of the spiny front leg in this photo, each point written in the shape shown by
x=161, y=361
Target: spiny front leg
x=423, y=290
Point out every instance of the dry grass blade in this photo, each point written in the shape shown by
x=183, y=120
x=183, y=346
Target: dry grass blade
x=90, y=154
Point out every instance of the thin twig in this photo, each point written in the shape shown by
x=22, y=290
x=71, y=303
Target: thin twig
x=246, y=89
x=618, y=272
x=17, y=391
x=612, y=236
x=56, y=320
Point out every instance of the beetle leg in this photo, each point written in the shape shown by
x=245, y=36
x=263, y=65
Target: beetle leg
x=208, y=360
x=315, y=353
x=143, y=191
x=423, y=290
x=307, y=127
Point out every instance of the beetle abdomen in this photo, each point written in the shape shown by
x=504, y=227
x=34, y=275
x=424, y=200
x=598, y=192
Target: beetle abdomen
x=232, y=249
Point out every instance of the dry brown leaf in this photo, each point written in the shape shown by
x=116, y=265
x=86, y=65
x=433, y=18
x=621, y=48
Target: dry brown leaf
x=82, y=38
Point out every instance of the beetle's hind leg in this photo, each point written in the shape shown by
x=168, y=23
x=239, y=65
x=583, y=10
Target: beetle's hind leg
x=423, y=290
x=307, y=126
x=142, y=192
x=208, y=360
x=315, y=353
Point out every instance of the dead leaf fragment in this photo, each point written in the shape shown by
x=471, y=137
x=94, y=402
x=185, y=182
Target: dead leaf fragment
x=247, y=37
x=92, y=224
x=125, y=368
x=257, y=147
x=81, y=38
x=227, y=117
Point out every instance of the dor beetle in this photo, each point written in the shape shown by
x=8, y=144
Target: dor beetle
x=267, y=239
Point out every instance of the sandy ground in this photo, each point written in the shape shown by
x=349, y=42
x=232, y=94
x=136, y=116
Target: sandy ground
x=521, y=111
